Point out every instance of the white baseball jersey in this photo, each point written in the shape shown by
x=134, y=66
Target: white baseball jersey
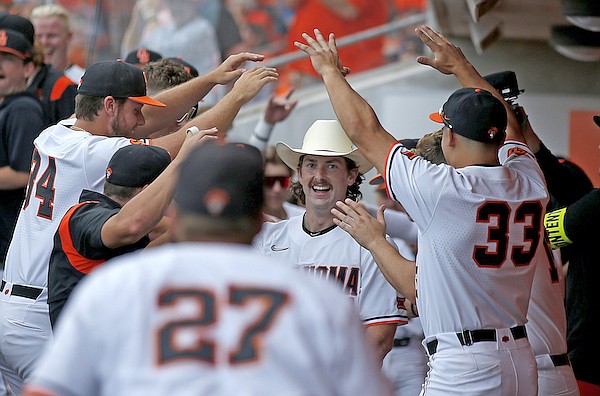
x=335, y=256
x=479, y=228
x=207, y=319
x=65, y=161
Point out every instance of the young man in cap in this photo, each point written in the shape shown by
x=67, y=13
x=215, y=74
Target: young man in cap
x=16, y=135
x=329, y=170
x=479, y=223
x=103, y=226
x=72, y=156
x=208, y=315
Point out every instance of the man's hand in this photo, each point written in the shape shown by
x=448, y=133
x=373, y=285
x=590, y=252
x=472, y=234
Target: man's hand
x=353, y=218
x=252, y=81
x=229, y=70
x=195, y=137
x=448, y=58
x=323, y=55
x=279, y=108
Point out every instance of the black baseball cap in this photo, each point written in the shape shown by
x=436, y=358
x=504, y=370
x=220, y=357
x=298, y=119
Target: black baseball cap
x=15, y=43
x=136, y=165
x=142, y=56
x=188, y=67
x=19, y=24
x=475, y=114
x=221, y=181
x=117, y=79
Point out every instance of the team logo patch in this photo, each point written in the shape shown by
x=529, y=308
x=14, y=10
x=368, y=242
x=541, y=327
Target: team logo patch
x=109, y=172
x=215, y=201
x=3, y=38
x=516, y=151
x=143, y=55
x=493, y=131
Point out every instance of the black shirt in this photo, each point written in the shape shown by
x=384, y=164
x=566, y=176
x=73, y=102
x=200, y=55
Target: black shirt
x=56, y=92
x=78, y=247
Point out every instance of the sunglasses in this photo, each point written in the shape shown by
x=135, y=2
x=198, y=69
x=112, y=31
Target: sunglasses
x=189, y=115
x=270, y=181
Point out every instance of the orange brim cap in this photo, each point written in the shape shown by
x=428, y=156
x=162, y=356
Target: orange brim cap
x=436, y=117
x=377, y=180
x=147, y=100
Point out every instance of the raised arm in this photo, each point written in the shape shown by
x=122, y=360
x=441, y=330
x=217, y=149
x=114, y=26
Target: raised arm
x=181, y=98
x=369, y=232
x=222, y=114
x=449, y=59
x=354, y=113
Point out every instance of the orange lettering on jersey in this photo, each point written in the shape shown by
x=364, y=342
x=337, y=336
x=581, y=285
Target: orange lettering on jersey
x=352, y=284
x=516, y=151
x=409, y=154
x=338, y=274
x=143, y=142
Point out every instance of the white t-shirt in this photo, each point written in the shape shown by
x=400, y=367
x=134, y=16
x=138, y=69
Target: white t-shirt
x=476, y=226
x=335, y=256
x=207, y=319
x=65, y=161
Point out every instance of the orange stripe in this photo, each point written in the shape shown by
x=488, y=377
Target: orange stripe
x=79, y=262
x=59, y=88
x=395, y=321
x=385, y=168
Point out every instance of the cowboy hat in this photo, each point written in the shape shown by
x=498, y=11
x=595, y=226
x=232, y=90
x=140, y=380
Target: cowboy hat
x=324, y=138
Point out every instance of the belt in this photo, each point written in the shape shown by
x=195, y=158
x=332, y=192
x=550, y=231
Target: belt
x=23, y=291
x=470, y=337
x=401, y=342
x=560, y=360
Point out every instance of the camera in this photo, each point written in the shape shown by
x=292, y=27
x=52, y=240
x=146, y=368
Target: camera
x=506, y=84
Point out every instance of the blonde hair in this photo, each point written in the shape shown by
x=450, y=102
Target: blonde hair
x=50, y=10
x=430, y=147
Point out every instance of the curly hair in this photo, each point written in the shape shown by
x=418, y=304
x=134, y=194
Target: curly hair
x=164, y=74
x=430, y=147
x=353, y=191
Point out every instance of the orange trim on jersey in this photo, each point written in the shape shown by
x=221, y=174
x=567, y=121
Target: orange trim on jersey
x=78, y=261
x=59, y=88
x=395, y=321
x=385, y=168
x=36, y=390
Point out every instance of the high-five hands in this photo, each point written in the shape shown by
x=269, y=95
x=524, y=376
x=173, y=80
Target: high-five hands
x=323, y=54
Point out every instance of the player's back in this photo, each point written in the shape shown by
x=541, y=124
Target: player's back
x=480, y=227
x=64, y=162
x=195, y=319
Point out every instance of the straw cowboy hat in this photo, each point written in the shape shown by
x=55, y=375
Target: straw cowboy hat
x=325, y=138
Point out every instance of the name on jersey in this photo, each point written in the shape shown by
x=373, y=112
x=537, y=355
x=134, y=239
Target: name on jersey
x=348, y=278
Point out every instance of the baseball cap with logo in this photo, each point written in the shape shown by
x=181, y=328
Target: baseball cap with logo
x=136, y=165
x=475, y=114
x=142, y=56
x=324, y=138
x=19, y=24
x=117, y=79
x=15, y=43
x=221, y=181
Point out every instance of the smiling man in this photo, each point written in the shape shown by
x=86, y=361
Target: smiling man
x=329, y=169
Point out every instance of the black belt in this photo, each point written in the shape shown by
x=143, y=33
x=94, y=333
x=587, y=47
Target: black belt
x=401, y=342
x=469, y=337
x=23, y=291
x=560, y=360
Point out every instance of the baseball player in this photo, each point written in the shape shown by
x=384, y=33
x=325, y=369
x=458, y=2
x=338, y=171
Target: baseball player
x=479, y=222
x=329, y=169
x=72, y=156
x=209, y=315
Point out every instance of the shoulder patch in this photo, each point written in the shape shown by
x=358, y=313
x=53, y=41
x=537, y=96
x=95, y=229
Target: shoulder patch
x=516, y=151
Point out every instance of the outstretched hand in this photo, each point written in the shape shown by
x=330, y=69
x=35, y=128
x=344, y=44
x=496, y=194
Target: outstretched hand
x=323, y=54
x=353, y=218
x=279, y=107
x=448, y=58
x=252, y=81
x=230, y=69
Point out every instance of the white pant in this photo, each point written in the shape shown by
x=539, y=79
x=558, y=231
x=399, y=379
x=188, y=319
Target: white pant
x=25, y=331
x=505, y=367
x=406, y=367
x=555, y=381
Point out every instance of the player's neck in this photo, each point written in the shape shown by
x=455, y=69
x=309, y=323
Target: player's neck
x=314, y=222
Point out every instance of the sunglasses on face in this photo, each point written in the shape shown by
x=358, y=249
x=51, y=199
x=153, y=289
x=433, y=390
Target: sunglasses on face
x=270, y=181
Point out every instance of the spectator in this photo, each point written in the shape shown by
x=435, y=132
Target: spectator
x=208, y=315
x=329, y=169
x=277, y=183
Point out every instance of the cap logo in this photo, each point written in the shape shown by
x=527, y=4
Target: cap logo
x=215, y=201
x=143, y=55
x=108, y=172
x=3, y=38
x=145, y=79
x=492, y=132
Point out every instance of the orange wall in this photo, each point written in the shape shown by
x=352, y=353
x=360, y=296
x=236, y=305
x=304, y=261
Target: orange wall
x=584, y=140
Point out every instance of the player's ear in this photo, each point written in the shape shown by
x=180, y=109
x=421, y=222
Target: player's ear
x=110, y=105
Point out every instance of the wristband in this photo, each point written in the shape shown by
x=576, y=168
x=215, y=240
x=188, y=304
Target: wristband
x=263, y=130
x=555, y=226
x=192, y=130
